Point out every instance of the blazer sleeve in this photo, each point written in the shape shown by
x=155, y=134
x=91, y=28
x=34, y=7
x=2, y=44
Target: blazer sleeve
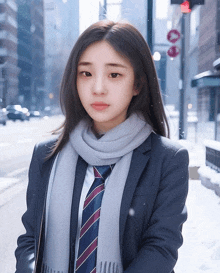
x=25, y=251
x=162, y=234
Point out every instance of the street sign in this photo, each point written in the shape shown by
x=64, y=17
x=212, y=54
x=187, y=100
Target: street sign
x=173, y=36
x=173, y=51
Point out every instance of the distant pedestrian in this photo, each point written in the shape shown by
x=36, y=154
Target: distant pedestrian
x=108, y=194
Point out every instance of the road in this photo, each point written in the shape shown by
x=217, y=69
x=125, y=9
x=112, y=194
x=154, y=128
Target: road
x=17, y=141
x=201, y=249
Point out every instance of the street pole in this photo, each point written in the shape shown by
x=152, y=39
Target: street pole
x=5, y=87
x=216, y=112
x=150, y=24
x=182, y=124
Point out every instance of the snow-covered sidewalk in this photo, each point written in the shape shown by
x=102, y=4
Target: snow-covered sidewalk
x=201, y=248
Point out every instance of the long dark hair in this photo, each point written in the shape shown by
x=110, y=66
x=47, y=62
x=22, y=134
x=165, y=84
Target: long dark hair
x=127, y=41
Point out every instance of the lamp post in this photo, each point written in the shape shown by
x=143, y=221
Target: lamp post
x=182, y=86
x=150, y=24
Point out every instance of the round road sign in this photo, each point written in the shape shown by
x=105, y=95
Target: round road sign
x=173, y=36
x=173, y=51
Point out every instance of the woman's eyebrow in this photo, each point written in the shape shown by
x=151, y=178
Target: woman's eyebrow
x=116, y=65
x=84, y=63
x=107, y=64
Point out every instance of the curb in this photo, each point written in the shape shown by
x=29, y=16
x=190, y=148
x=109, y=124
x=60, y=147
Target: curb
x=212, y=181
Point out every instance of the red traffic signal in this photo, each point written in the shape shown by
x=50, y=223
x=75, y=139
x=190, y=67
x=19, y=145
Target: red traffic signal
x=192, y=3
x=185, y=7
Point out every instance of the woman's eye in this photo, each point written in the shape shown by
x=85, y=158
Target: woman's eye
x=114, y=75
x=86, y=74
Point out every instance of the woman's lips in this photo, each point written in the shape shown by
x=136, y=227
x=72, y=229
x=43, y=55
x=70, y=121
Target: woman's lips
x=99, y=106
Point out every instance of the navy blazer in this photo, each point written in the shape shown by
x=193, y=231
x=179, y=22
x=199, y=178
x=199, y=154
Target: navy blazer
x=155, y=190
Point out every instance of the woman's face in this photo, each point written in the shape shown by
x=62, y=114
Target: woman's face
x=105, y=84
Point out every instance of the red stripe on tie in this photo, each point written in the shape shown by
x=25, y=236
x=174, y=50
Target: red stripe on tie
x=94, y=270
x=86, y=253
x=90, y=222
x=93, y=194
x=96, y=172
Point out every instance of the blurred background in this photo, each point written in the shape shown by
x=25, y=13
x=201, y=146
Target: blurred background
x=36, y=37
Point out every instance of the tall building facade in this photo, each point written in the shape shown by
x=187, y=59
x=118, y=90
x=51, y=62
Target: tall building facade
x=24, y=52
x=38, y=54
x=209, y=51
x=8, y=52
x=206, y=82
x=31, y=55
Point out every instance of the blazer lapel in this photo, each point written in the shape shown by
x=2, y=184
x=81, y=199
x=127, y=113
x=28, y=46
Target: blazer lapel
x=46, y=170
x=81, y=168
x=139, y=161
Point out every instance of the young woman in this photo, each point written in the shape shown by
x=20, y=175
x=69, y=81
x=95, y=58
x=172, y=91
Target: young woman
x=130, y=218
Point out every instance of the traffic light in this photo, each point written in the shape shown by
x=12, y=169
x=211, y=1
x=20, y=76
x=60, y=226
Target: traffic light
x=192, y=3
x=185, y=7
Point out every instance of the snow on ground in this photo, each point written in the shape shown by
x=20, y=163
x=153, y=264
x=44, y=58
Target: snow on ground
x=211, y=174
x=201, y=248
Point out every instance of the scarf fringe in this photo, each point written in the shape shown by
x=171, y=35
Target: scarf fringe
x=105, y=267
x=47, y=269
x=108, y=267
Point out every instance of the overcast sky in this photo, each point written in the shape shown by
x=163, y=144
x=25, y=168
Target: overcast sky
x=89, y=11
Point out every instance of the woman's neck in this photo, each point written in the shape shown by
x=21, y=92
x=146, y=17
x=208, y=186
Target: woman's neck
x=97, y=133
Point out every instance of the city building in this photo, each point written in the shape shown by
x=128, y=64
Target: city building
x=8, y=52
x=206, y=81
x=30, y=17
x=38, y=54
x=31, y=57
x=24, y=52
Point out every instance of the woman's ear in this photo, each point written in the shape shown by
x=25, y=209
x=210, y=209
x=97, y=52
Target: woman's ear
x=135, y=91
x=138, y=86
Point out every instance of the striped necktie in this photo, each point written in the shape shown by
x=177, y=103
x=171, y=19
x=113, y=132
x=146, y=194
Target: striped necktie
x=88, y=242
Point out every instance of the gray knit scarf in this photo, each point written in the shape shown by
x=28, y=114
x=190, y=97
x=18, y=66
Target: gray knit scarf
x=115, y=147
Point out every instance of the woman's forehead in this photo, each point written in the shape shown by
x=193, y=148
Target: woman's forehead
x=102, y=51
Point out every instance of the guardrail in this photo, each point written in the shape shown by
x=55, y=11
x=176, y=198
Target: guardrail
x=213, y=154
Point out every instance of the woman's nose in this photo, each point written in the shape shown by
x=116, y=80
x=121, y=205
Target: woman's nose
x=99, y=86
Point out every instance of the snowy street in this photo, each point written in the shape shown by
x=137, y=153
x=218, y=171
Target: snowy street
x=201, y=233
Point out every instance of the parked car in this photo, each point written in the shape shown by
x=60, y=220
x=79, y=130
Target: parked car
x=26, y=112
x=17, y=112
x=35, y=114
x=3, y=116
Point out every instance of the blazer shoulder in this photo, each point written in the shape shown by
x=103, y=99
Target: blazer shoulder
x=165, y=145
x=166, y=154
x=44, y=148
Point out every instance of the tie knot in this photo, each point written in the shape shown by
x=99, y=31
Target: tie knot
x=102, y=171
